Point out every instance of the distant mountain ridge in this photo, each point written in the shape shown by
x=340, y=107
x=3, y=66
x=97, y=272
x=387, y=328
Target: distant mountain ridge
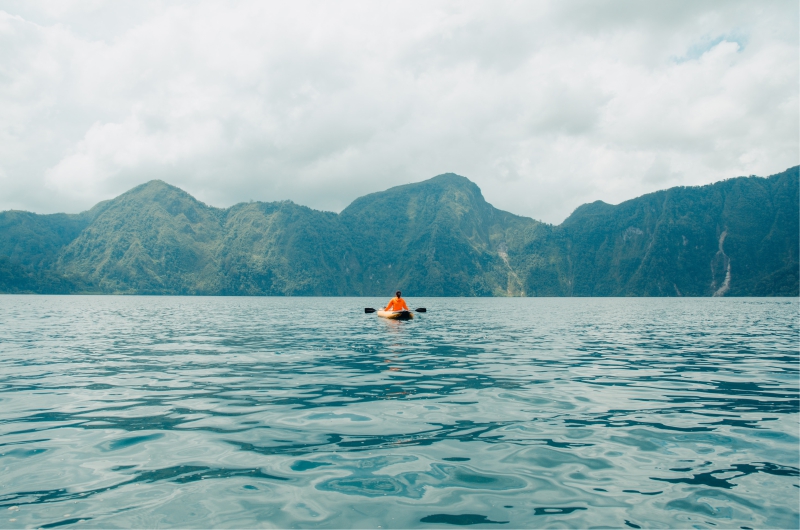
x=439, y=237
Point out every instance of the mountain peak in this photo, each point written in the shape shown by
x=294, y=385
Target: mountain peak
x=157, y=191
x=587, y=210
x=450, y=180
x=154, y=185
x=441, y=189
x=450, y=177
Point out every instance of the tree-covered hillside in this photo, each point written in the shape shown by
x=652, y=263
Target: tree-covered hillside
x=738, y=237
x=35, y=240
x=439, y=237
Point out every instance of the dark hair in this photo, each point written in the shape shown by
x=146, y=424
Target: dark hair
x=397, y=294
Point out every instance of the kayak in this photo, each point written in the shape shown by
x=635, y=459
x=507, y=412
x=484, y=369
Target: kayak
x=396, y=315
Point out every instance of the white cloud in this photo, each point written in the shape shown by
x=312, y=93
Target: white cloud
x=544, y=104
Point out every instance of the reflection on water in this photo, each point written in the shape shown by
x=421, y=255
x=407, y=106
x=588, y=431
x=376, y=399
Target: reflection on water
x=275, y=412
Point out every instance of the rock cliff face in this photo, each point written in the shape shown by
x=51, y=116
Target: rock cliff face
x=737, y=237
x=439, y=237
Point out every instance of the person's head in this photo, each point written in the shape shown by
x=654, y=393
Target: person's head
x=397, y=294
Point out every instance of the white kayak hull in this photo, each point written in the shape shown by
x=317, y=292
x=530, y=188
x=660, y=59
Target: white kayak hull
x=396, y=315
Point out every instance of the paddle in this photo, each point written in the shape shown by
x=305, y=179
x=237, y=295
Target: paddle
x=372, y=310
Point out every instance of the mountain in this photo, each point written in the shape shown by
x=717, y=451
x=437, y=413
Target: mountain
x=33, y=240
x=29, y=249
x=738, y=237
x=439, y=237
x=158, y=239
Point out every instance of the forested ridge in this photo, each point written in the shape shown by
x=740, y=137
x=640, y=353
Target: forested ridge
x=439, y=237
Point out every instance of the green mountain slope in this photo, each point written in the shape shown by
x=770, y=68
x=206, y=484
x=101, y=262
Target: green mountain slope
x=154, y=239
x=284, y=249
x=35, y=240
x=687, y=241
x=439, y=237
x=436, y=238
x=18, y=279
x=158, y=239
x=29, y=248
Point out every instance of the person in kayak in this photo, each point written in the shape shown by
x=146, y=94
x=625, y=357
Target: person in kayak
x=396, y=303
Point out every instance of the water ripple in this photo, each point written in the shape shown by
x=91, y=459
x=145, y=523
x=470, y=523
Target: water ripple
x=249, y=412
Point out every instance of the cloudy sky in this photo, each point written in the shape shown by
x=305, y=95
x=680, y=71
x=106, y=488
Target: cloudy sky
x=545, y=105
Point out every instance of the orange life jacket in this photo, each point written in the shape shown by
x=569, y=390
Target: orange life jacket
x=396, y=304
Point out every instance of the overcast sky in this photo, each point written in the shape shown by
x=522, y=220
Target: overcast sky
x=545, y=105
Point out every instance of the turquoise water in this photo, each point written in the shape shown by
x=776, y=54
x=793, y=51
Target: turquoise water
x=305, y=412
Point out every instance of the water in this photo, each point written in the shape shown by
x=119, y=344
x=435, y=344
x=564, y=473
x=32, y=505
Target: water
x=305, y=412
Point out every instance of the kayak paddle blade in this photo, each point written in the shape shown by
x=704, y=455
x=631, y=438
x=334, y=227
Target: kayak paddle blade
x=421, y=310
x=369, y=310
